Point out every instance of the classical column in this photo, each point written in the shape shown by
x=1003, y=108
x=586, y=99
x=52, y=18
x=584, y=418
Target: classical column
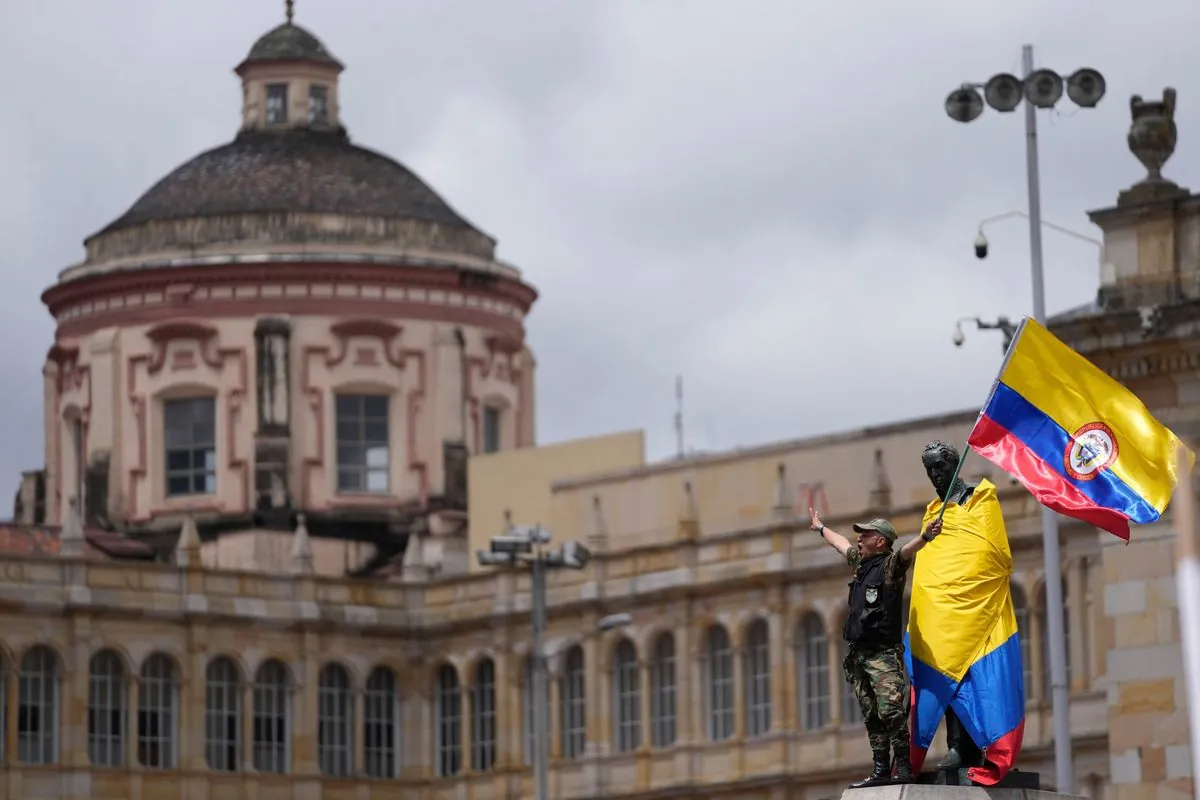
x=783, y=669
x=1076, y=596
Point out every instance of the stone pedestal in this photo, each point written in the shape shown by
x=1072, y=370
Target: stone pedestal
x=1015, y=779
x=925, y=791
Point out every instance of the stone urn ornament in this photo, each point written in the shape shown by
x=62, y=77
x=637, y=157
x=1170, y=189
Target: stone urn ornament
x=1152, y=138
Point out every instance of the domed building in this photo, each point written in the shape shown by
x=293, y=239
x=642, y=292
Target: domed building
x=289, y=326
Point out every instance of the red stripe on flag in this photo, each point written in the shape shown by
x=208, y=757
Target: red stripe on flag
x=995, y=443
x=1001, y=755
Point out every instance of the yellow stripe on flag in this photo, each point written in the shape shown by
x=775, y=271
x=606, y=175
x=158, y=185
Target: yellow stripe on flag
x=1074, y=392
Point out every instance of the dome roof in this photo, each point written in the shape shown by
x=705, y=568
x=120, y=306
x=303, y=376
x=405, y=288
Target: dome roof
x=297, y=171
x=289, y=42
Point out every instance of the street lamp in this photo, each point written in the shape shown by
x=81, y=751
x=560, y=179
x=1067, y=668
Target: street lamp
x=525, y=548
x=1040, y=88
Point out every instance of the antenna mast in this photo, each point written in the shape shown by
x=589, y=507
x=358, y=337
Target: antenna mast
x=679, y=415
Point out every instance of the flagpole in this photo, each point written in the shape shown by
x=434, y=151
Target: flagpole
x=1187, y=580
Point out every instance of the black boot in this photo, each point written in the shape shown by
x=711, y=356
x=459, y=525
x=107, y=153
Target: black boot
x=881, y=775
x=951, y=761
x=961, y=752
x=904, y=773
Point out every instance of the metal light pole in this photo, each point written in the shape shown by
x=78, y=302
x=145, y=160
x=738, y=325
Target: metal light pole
x=1041, y=89
x=524, y=548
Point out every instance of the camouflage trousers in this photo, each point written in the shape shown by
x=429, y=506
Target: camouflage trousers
x=880, y=683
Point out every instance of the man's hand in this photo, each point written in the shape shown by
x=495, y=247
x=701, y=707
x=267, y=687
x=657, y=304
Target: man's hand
x=914, y=544
x=835, y=539
x=816, y=519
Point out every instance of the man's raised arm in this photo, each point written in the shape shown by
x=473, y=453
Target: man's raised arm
x=835, y=539
x=914, y=544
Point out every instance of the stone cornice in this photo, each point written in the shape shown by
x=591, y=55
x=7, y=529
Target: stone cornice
x=391, y=291
x=1130, y=215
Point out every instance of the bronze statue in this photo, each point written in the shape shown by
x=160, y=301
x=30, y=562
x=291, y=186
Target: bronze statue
x=940, y=461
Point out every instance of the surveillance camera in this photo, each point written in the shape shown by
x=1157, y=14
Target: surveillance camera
x=958, y=338
x=981, y=246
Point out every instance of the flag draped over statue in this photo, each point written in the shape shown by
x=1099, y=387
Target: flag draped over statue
x=962, y=648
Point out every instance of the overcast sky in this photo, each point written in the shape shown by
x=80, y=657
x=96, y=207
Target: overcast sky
x=764, y=196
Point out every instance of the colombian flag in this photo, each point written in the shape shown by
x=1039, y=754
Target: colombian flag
x=962, y=647
x=1082, y=443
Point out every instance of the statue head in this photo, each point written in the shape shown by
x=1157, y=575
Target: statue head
x=940, y=460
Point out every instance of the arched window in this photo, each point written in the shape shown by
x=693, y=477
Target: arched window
x=449, y=722
x=812, y=665
x=627, y=697
x=222, y=715
x=756, y=671
x=483, y=717
x=381, y=724
x=1044, y=638
x=662, y=692
x=106, y=709
x=272, y=717
x=158, y=715
x=335, y=721
x=1021, y=610
x=37, y=707
x=718, y=683
x=574, y=704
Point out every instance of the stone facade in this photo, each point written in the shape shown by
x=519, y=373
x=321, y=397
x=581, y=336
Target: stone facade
x=727, y=681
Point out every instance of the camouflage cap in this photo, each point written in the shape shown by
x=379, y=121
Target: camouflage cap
x=877, y=525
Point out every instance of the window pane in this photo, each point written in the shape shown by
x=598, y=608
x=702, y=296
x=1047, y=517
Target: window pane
x=351, y=455
x=277, y=103
x=377, y=481
x=362, y=444
x=190, y=456
x=377, y=457
x=317, y=106
x=350, y=480
x=375, y=406
x=491, y=429
x=348, y=405
x=348, y=429
x=376, y=431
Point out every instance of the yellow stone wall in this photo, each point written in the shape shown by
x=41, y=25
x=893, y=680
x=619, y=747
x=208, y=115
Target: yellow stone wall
x=775, y=572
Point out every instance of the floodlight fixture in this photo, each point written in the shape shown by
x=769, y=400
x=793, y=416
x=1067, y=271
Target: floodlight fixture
x=1003, y=92
x=1044, y=88
x=964, y=104
x=1086, y=87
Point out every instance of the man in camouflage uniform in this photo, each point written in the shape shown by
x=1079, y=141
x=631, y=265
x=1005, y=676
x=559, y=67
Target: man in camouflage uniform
x=874, y=663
